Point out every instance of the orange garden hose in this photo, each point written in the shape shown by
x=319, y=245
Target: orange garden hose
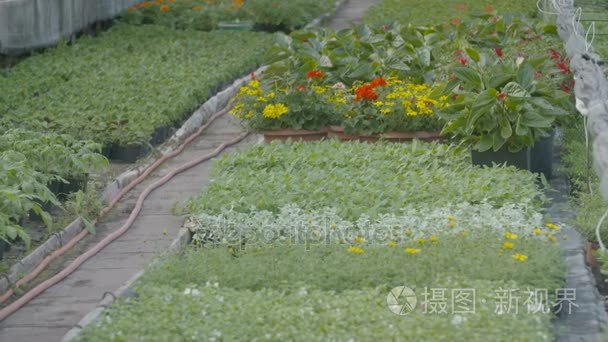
x=31, y=294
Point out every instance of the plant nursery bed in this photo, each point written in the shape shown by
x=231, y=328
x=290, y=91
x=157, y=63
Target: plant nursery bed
x=315, y=241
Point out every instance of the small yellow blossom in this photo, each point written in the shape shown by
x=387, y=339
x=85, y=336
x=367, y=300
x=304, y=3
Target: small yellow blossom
x=511, y=236
x=519, y=257
x=412, y=251
x=409, y=232
x=434, y=239
x=275, y=111
x=392, y=243
x=359, y=239
x=551, y=238
x=552, y=226
x=422, y=241
x=452, y=224
x=537, y=231
x=356, y=250
x=451, y=218
x=271, y=95
x=508, y=245
x=385, y=110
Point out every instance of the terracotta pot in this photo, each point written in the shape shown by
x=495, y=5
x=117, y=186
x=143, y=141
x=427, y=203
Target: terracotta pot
x=590, y=254
x=293, y=134
x=338, y=132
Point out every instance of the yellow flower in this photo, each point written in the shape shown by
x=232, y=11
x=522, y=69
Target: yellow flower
x=378, y=103
x=261, y=99
x=508, y=245
x=422, y=241
x=359, y=239
x=409, y=232
x=412, y=251
x=197, y=8
x=451, y=218
x=271, y=95
x=511, y=236
x=356, y=250
x=452, y=224
x=552, y=226
x=551, y=238
x=319, y=89
x=537, y=231
x=254, y=84
x=434, y=239
x=385, y=110
x=275, y=111
x=392, y=243
x=519, y=257
x=333, y=226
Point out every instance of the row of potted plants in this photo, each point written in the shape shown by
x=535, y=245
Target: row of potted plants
x=501, y=103
x=267, y=15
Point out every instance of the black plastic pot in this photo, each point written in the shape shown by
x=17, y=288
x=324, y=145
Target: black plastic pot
x=519, y=159
x=73, y=184
x=160, y=135
x=541, y=156
x=129, y=153
x=106, y=150
x=4, y=247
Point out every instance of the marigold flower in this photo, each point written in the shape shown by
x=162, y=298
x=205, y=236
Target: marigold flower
x=519, y=257
x=145, y=4
x=164, y=8
x=412, y=251
x=365, y=91
x=314, y=74
x=300, y=87
x=378, y=82
x=275, y=111
x=508, y=245
x=158, y=1
x=355, y=250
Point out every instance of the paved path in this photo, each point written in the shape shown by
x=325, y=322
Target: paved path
x=49, y=316
x=351, y=13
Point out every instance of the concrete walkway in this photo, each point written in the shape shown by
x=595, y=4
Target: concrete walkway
x=49, y=316
x=351, y=13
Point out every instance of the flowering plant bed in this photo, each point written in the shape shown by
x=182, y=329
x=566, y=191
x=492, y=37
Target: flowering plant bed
x=356, y=222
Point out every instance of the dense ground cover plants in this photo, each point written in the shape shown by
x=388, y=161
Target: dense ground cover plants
x=119, y=87
x=354, y=220
x=209, y=14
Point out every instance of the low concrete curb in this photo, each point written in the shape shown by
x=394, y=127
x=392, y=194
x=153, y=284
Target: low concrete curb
x=126, y=290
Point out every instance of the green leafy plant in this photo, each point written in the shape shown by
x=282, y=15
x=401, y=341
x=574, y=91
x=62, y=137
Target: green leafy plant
x=502, y=102
x=283, y=102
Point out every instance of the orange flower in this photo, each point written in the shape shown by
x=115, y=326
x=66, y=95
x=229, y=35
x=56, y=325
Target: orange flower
x=378, y=82
x=456, y=22
x=158, y=1
x=132, y=8
x=365, y=91
x=300, y=87
x=197, y=8
x=170, y=1
x=144, y=4
x=314, y=74
x=164, y=8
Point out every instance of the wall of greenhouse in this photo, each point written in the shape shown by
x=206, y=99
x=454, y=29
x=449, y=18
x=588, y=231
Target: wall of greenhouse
x=31, y=24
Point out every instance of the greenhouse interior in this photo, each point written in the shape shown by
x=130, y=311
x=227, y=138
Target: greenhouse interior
x=303, y=170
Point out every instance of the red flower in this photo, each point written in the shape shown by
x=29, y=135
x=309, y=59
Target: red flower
x=314, y=74
x=462, y=60
x=498, y=52
x=554, y=54
x=300, y=87
x=378, y=82
x=456, y=21
x=565, y=88
x=253, y=75
x=385, y=27
x=561, y=65
x=365, y=91
x=501, y=96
